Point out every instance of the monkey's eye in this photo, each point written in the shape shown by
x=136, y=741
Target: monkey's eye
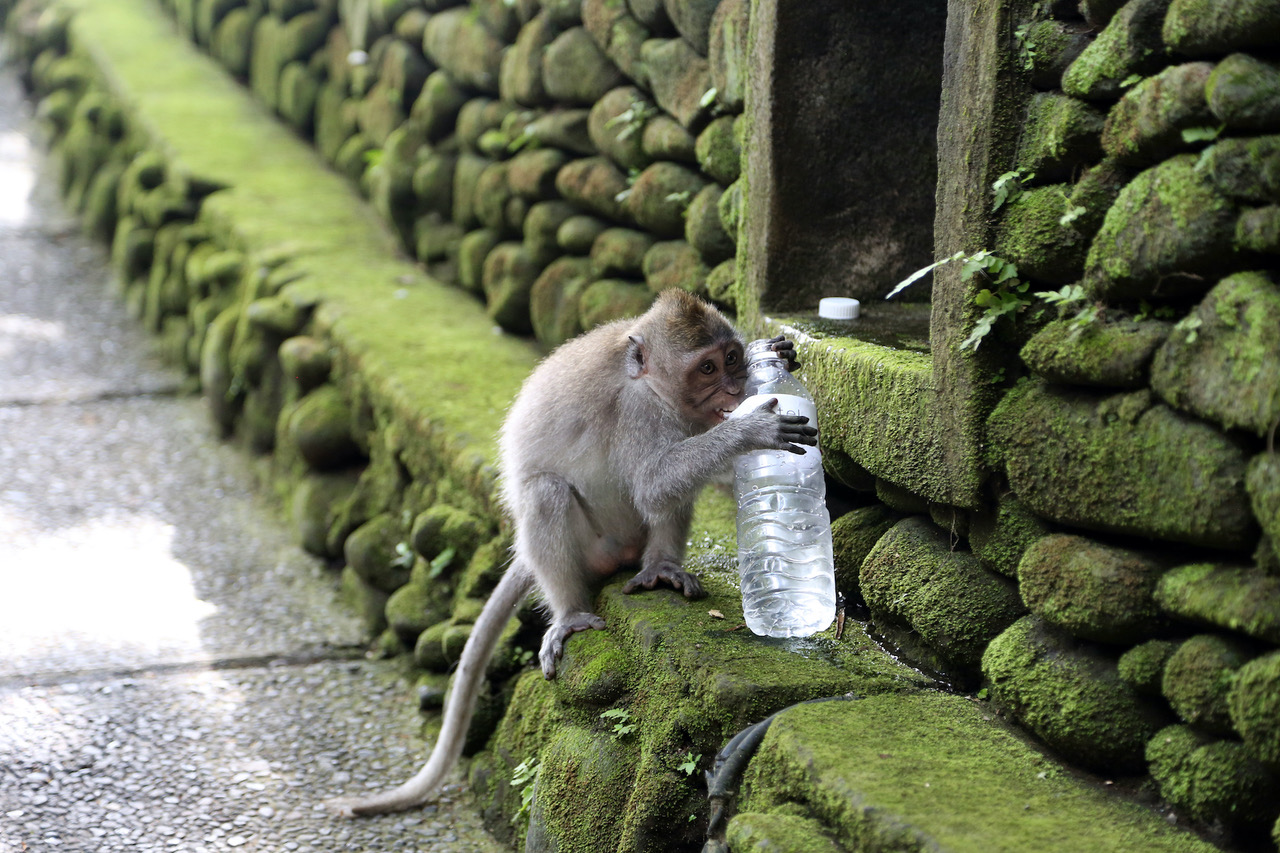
x=731, y=359
x=707, y=368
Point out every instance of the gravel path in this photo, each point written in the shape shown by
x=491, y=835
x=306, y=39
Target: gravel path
x=175, y=675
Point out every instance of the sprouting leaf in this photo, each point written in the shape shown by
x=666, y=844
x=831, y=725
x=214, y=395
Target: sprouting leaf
x=442, y=561
x=1131, y=80
x=690, y=764
x=708, y=97
x=404, y=556
x=1073, y=212
x=1008, y=186
x=1192, y=135
x=1190, y=325
x=921, y=273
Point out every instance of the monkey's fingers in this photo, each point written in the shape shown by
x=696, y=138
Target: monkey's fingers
x=670, y=574
x=560, y=631
x=786, y=351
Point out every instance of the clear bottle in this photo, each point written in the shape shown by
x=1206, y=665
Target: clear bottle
x=784, y=529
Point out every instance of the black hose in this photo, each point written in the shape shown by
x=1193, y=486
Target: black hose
x=731, y=761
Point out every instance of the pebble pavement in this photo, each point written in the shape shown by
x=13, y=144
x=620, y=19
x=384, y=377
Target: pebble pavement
x=175, y=675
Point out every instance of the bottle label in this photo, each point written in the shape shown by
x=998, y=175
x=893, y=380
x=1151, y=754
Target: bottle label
x=788, y=404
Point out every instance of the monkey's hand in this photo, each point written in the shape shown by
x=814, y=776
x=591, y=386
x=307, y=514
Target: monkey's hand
x=780, y=432
x=561, y=630
x=786, y=351
x=668, y=573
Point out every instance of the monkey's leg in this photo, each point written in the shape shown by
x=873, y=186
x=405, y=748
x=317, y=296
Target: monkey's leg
x=664, y=557
x=511, y=590
x=553, y=535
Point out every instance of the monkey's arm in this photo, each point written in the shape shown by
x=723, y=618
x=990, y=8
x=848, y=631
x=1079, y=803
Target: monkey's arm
x=664, y=556
x=663, y=481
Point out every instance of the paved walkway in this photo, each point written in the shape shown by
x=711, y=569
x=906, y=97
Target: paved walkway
x=175, y=675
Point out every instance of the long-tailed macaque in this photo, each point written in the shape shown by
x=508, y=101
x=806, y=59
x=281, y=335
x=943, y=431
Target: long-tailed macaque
x=603, y=453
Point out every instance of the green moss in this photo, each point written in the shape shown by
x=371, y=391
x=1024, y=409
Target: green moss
x=1229, y=371
x=1142, y=667
x=778, y=833
x=1255, y=707
x=915, y=579
x=1000, y=538
x=1211, y=780
x=1198, y=678
x=584, y=782
x=1060, y=134
x=1103, y=354
x=1130, y=44
x=1120, y=464
x=1240, y=599
x=1032, y=236
x=1070, y=694
x=1092, y=591
x=853, y=536
x=1215, y=27
x=938, y=772
x=1146, y=126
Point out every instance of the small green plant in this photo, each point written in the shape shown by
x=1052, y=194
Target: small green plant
x=1192, y=135
x=441, y=562
x=1007, y=187
x=1190, y=326
x=621, y=718
x=1026, y=47
x=633, y=118
x=1131, y=80
x=708, y=97
x=632, y=175
x=404, y=556
x=690, y=764
x=1070, y=212
x=526, y=772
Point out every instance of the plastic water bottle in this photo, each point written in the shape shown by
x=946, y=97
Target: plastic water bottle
x=784, y=529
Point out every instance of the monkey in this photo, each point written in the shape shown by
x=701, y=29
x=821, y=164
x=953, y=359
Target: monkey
x=602, y=455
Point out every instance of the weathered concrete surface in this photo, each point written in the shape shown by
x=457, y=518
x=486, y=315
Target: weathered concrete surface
x=174, y=674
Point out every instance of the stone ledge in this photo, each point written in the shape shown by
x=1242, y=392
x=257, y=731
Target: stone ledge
x=931, y=772
x=428, y=353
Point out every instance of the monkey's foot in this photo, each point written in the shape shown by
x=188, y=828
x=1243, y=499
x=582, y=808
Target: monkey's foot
x=561, y=630
x=670, y=574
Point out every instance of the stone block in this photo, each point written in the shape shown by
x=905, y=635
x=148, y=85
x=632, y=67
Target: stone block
x=565, y=129
x=674, y=264
x=371, y=552
x=578, y=234
x=1103, y=354
x=1032, y=235
x=1131, y=44
x=680, y=79
x=1212, y=780
x=319, y=426
x=1091, y=590
x=703, y=229
x=541, y=227
x=1198, y=678
x=1147, y=125
x=532, y=173
x=508, y=276
x=616, y=124
x=664, y=138
x=521, y=72
x=718, y=151
x=620, y=252
x=1123, y=464
x=722, y=286
x=1258, y=230
x=1254, y=705
x=660, y=195
x=612, y=299
x=1069, y=693
x=433, y=181
x=459, y=42
x=1050, y=47
x=1246, y=600
x=1059, y=137
x=1244, y=93
x=916, y=581
x=1246, y=168
x=554, y=300
x=1142, y=667
x=619, y=34
x=1227, y=368
x=1169, y=227
x=595, y=183
x=472, y=252
x=1196, y=28
x=1263, y=484
x=854, y=535
x=575, y=71
x=438, y=103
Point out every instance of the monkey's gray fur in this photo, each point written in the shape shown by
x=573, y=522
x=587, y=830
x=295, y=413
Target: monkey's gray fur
x=603, y=453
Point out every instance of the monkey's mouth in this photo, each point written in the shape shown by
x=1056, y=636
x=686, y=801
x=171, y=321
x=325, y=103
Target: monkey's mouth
x=723, y=414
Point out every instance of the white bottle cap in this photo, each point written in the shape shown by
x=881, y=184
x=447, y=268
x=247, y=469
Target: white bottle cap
x=839, y=308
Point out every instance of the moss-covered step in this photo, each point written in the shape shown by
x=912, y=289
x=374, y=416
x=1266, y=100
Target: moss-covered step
x=429, y=358
x=928, y=772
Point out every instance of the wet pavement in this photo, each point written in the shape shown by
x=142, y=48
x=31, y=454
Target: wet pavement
x=175, y=675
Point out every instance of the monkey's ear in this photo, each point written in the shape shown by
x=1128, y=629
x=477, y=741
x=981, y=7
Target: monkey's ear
x=636, y=366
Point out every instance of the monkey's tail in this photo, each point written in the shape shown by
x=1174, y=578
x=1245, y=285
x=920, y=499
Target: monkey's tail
x=507, y=596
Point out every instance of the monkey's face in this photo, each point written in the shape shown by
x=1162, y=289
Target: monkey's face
x=715, y=379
